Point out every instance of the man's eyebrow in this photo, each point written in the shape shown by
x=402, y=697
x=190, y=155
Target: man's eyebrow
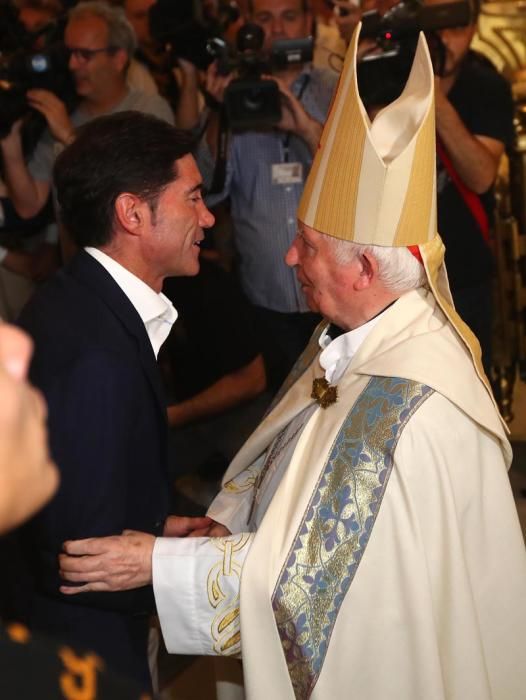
x=196, y=188
x=309, y=240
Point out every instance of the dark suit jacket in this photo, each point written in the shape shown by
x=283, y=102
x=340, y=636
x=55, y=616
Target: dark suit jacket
x=107, y=419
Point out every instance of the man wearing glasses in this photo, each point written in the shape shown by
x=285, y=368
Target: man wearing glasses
x=100, y=43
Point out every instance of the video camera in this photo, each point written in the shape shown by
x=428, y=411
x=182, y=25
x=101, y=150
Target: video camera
x=184, y=27
x=187, y=31
x=181, y=29
x=382, y=72
x=22, y=67
x=252, y=102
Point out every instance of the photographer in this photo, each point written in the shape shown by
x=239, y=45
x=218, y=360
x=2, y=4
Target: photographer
x=100, y=43
x=36, y=14
x=30, y=27
x=347, y=13
x=265, y=171
x=152, y=70
x=474, y=113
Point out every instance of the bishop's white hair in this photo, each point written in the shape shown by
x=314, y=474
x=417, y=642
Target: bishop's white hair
x=398, y=269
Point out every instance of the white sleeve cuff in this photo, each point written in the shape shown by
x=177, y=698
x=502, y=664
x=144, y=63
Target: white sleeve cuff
x=188, y=573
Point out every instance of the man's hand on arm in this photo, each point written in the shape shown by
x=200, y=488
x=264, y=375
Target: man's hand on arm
x=117, y=563
x=181, y=526
x=123, y=562
x=213, y=530
x=475, y=158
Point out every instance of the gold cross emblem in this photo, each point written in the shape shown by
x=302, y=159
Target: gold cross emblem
x=323, y=392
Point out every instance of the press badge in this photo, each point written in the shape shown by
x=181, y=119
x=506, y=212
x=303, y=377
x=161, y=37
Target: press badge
x=287, y=173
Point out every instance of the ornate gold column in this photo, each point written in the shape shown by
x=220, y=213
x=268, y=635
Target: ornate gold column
x=501, y=36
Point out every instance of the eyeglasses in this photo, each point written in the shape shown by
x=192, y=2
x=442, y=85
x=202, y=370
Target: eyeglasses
x=86, y=55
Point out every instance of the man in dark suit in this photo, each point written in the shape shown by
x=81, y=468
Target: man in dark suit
x=129, y=194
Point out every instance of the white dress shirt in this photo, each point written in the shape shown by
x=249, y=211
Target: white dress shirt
x=339, y=352
x=156, y=310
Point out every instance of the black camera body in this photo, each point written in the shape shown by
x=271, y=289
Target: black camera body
x=24, y=68
x=183, y=29
x=383, y=72
x=253, y=102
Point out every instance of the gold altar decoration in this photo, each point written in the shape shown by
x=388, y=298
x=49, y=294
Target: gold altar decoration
x=501, y=37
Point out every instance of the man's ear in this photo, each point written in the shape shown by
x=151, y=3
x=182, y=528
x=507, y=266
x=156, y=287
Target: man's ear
x=132, y=213
x=368, y=271
x=121, y=59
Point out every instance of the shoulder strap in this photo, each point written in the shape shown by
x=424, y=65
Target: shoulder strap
x=470, y=198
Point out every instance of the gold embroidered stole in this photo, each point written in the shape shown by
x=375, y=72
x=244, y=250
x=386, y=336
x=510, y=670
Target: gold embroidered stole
x=338, y=521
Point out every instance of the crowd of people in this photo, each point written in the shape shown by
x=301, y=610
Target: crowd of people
x=270, y=301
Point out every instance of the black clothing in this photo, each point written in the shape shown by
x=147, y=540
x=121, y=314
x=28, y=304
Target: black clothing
x=293, y=331
x=214, y=333
x=34, y=666
x=213, y=336
x=482, y=98
x=95, y=365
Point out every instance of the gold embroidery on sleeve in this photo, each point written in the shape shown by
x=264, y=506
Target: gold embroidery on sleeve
x=244, y=481
x=225, y=625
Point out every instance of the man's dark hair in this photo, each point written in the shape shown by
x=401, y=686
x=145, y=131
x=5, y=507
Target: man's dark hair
x=124, y=152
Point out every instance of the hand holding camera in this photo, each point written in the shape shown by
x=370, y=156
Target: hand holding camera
x=55, y=113
x=346, y=16
x=294, y=118
x=215, y=85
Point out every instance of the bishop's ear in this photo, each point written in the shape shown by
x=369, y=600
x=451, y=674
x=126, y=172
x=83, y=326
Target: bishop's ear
x=368, y=271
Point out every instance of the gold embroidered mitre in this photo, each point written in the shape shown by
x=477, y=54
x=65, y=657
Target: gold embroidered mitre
x=374, y=183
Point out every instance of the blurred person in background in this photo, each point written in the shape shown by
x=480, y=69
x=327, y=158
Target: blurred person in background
x=178, y=81
x=100, y=42
x=265, y=171
x=474, y=120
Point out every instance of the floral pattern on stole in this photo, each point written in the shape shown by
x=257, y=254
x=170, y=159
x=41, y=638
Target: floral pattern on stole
x=335, y=529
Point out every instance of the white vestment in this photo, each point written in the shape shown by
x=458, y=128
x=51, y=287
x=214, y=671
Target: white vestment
x=436, y=606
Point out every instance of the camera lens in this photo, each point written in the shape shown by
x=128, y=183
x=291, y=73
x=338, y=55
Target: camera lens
x=254, y=100
x=250, y=37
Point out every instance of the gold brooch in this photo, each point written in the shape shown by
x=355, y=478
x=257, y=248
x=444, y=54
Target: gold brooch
x=323, y=392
